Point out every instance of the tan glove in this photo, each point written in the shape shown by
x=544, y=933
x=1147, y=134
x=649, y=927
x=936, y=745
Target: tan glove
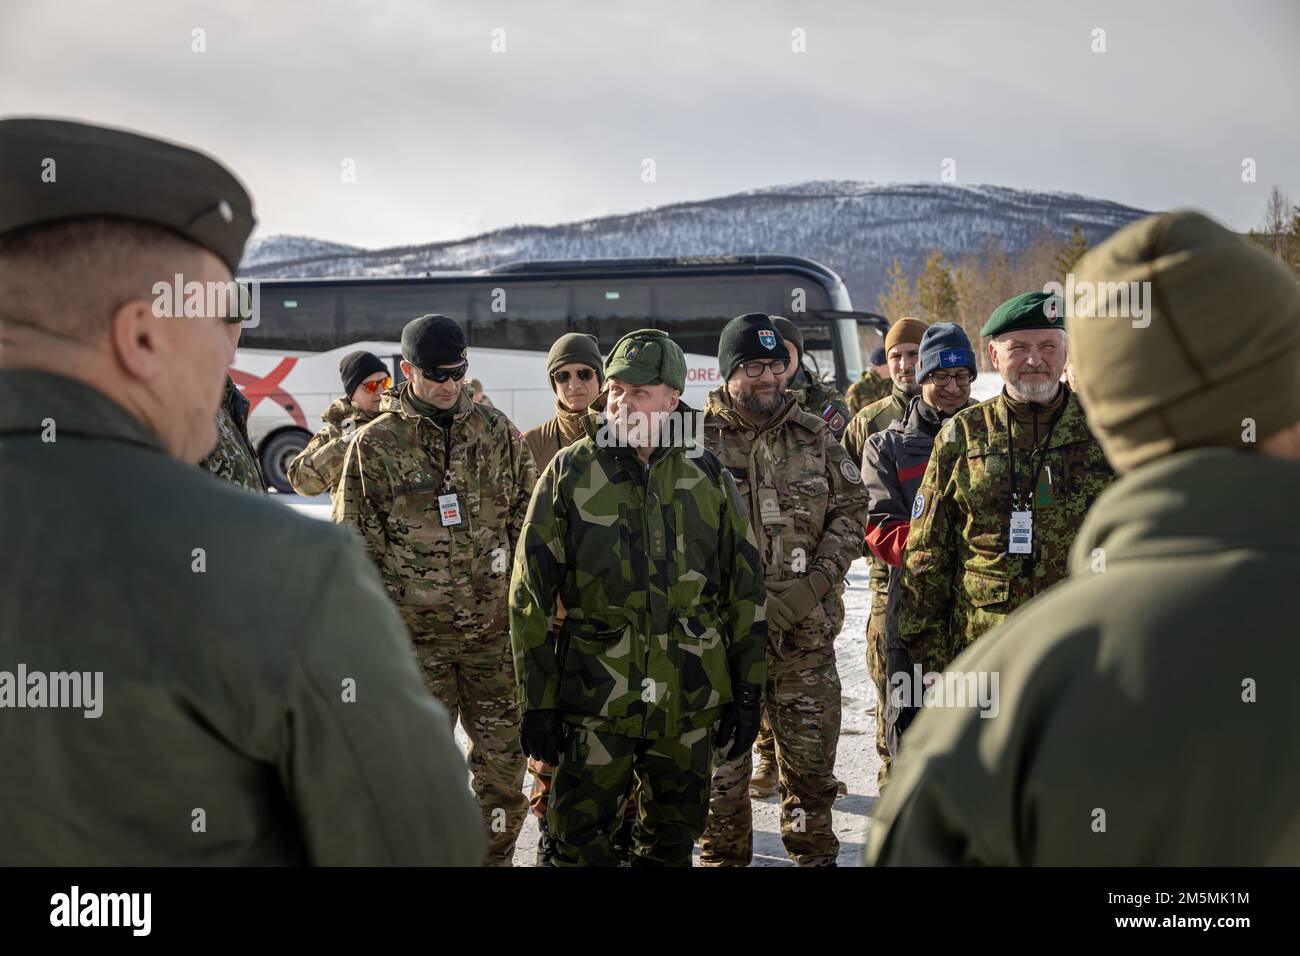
x=789, y=602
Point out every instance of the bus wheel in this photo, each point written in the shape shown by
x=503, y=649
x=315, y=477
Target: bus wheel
x=277, y=451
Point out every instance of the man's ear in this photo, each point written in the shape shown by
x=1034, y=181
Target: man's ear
x=407, y=368
x=993, y=354
x=137, y=338
x=677, y=397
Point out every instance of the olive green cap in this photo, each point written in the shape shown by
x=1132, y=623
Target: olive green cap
x=1029, y=310
x=57, y=170
x=645, y=357
x=1215, y=355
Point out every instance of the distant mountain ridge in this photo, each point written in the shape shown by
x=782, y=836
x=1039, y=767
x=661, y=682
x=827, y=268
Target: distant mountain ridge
x=855, y=228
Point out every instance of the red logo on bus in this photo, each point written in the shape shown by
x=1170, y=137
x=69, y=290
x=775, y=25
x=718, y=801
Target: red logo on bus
x=268, y=386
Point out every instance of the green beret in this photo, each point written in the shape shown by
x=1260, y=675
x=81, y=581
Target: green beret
x=645, y=357
x=1029, y=310
x=56, y=170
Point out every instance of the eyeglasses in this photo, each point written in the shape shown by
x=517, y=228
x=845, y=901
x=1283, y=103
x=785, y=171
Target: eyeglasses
x=756, y=369
x=376, y=385
x=944, y=379
x=441, y=375
x=584, y=375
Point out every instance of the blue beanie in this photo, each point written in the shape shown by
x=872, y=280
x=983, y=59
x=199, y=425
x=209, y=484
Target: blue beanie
x=944, y=345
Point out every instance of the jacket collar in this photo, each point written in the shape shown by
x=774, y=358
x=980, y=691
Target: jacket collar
x=29, y=397
x=719, y=410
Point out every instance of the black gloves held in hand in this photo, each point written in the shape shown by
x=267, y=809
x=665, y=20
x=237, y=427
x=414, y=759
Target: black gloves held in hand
x=541, y=734
x=741, y=717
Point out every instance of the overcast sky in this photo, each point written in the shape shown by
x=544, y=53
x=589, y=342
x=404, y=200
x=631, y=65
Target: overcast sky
x=450, y=138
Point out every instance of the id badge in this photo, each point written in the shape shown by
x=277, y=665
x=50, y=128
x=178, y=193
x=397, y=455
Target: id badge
x=1022, y=533
x=449, y=509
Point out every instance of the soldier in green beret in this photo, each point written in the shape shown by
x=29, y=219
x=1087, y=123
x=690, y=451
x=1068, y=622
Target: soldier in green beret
x=1006, y=489
x=1147, y=707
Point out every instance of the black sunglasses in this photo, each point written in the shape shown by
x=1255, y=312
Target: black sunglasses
x=441, y=375
x=584, y=375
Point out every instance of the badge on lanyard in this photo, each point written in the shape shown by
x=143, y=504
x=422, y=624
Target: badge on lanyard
x=1022, y=533
x=449, y=508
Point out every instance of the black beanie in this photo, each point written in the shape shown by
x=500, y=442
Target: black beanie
x=748, y=337
x=433, y=340
x=576, y=347
x=356, y=367
x=790, y=332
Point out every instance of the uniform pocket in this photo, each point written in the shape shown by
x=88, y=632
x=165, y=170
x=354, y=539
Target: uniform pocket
x=984, y=590
x=595, y=661
x=700, y=661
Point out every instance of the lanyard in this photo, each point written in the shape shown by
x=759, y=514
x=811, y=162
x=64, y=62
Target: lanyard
x=1042, y=460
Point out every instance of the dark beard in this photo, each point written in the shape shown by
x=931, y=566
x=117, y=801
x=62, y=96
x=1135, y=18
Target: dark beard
x=751, y=402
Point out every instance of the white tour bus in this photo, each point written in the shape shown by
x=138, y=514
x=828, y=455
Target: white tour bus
x=287, y=363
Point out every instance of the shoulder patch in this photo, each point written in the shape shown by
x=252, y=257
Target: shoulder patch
x=851, y=471
x=918, y=506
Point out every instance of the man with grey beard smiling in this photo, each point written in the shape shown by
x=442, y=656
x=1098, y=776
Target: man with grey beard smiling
x=1007, y=486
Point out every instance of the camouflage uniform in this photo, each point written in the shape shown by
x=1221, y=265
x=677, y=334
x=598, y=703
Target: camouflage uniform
x=806, y=498
x=450, y=583
x=233, y=458
x=872, y=420
x=958, y=578
x=893, y=465
x=319, y=466
x=821, y=400
x=868, y=389
x=657, y=570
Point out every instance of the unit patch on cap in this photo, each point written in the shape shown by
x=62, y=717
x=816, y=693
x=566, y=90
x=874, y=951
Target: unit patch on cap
x=767, y=338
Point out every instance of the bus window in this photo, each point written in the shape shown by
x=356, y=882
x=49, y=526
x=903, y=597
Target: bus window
x=379, y=313
x=694, y=310
x=518, y=315
x=295, y=318
x=609, y=310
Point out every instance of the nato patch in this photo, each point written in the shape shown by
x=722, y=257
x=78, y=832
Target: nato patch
x=918, y=506
x=850, y=471
x=767, y=338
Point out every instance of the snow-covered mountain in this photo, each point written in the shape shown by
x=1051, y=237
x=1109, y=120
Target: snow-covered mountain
x=855, y=228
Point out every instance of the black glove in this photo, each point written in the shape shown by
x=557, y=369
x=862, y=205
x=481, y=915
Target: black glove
x=741, y=717
x=541, y=734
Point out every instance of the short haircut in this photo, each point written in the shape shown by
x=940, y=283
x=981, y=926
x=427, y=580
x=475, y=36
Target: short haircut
x=68, y=278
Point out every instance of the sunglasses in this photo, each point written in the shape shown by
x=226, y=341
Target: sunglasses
x=441, y=375
x=377, y=385
x=584, y=375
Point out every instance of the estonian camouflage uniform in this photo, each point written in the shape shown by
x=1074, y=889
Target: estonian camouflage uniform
x=319, y=466
x=807, y=500
x=958, y=578
x=450, y=582
x=658, y=572
x=872, y=420
x=868, y=389
x=233, y=458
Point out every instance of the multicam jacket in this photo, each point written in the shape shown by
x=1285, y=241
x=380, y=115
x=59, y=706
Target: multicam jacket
x=824, y=401
x=805, y=501
x=657, y=569
x=959, y=578
x=233, y=458
x=397, y=475
x=870, y=388
x=319, y=466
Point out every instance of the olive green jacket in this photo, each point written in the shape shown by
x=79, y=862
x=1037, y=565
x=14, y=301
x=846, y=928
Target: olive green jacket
x=259, y=702
x=1146, y=709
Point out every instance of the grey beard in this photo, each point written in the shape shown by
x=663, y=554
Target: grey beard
x=1036, y=392
x=913, y=389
